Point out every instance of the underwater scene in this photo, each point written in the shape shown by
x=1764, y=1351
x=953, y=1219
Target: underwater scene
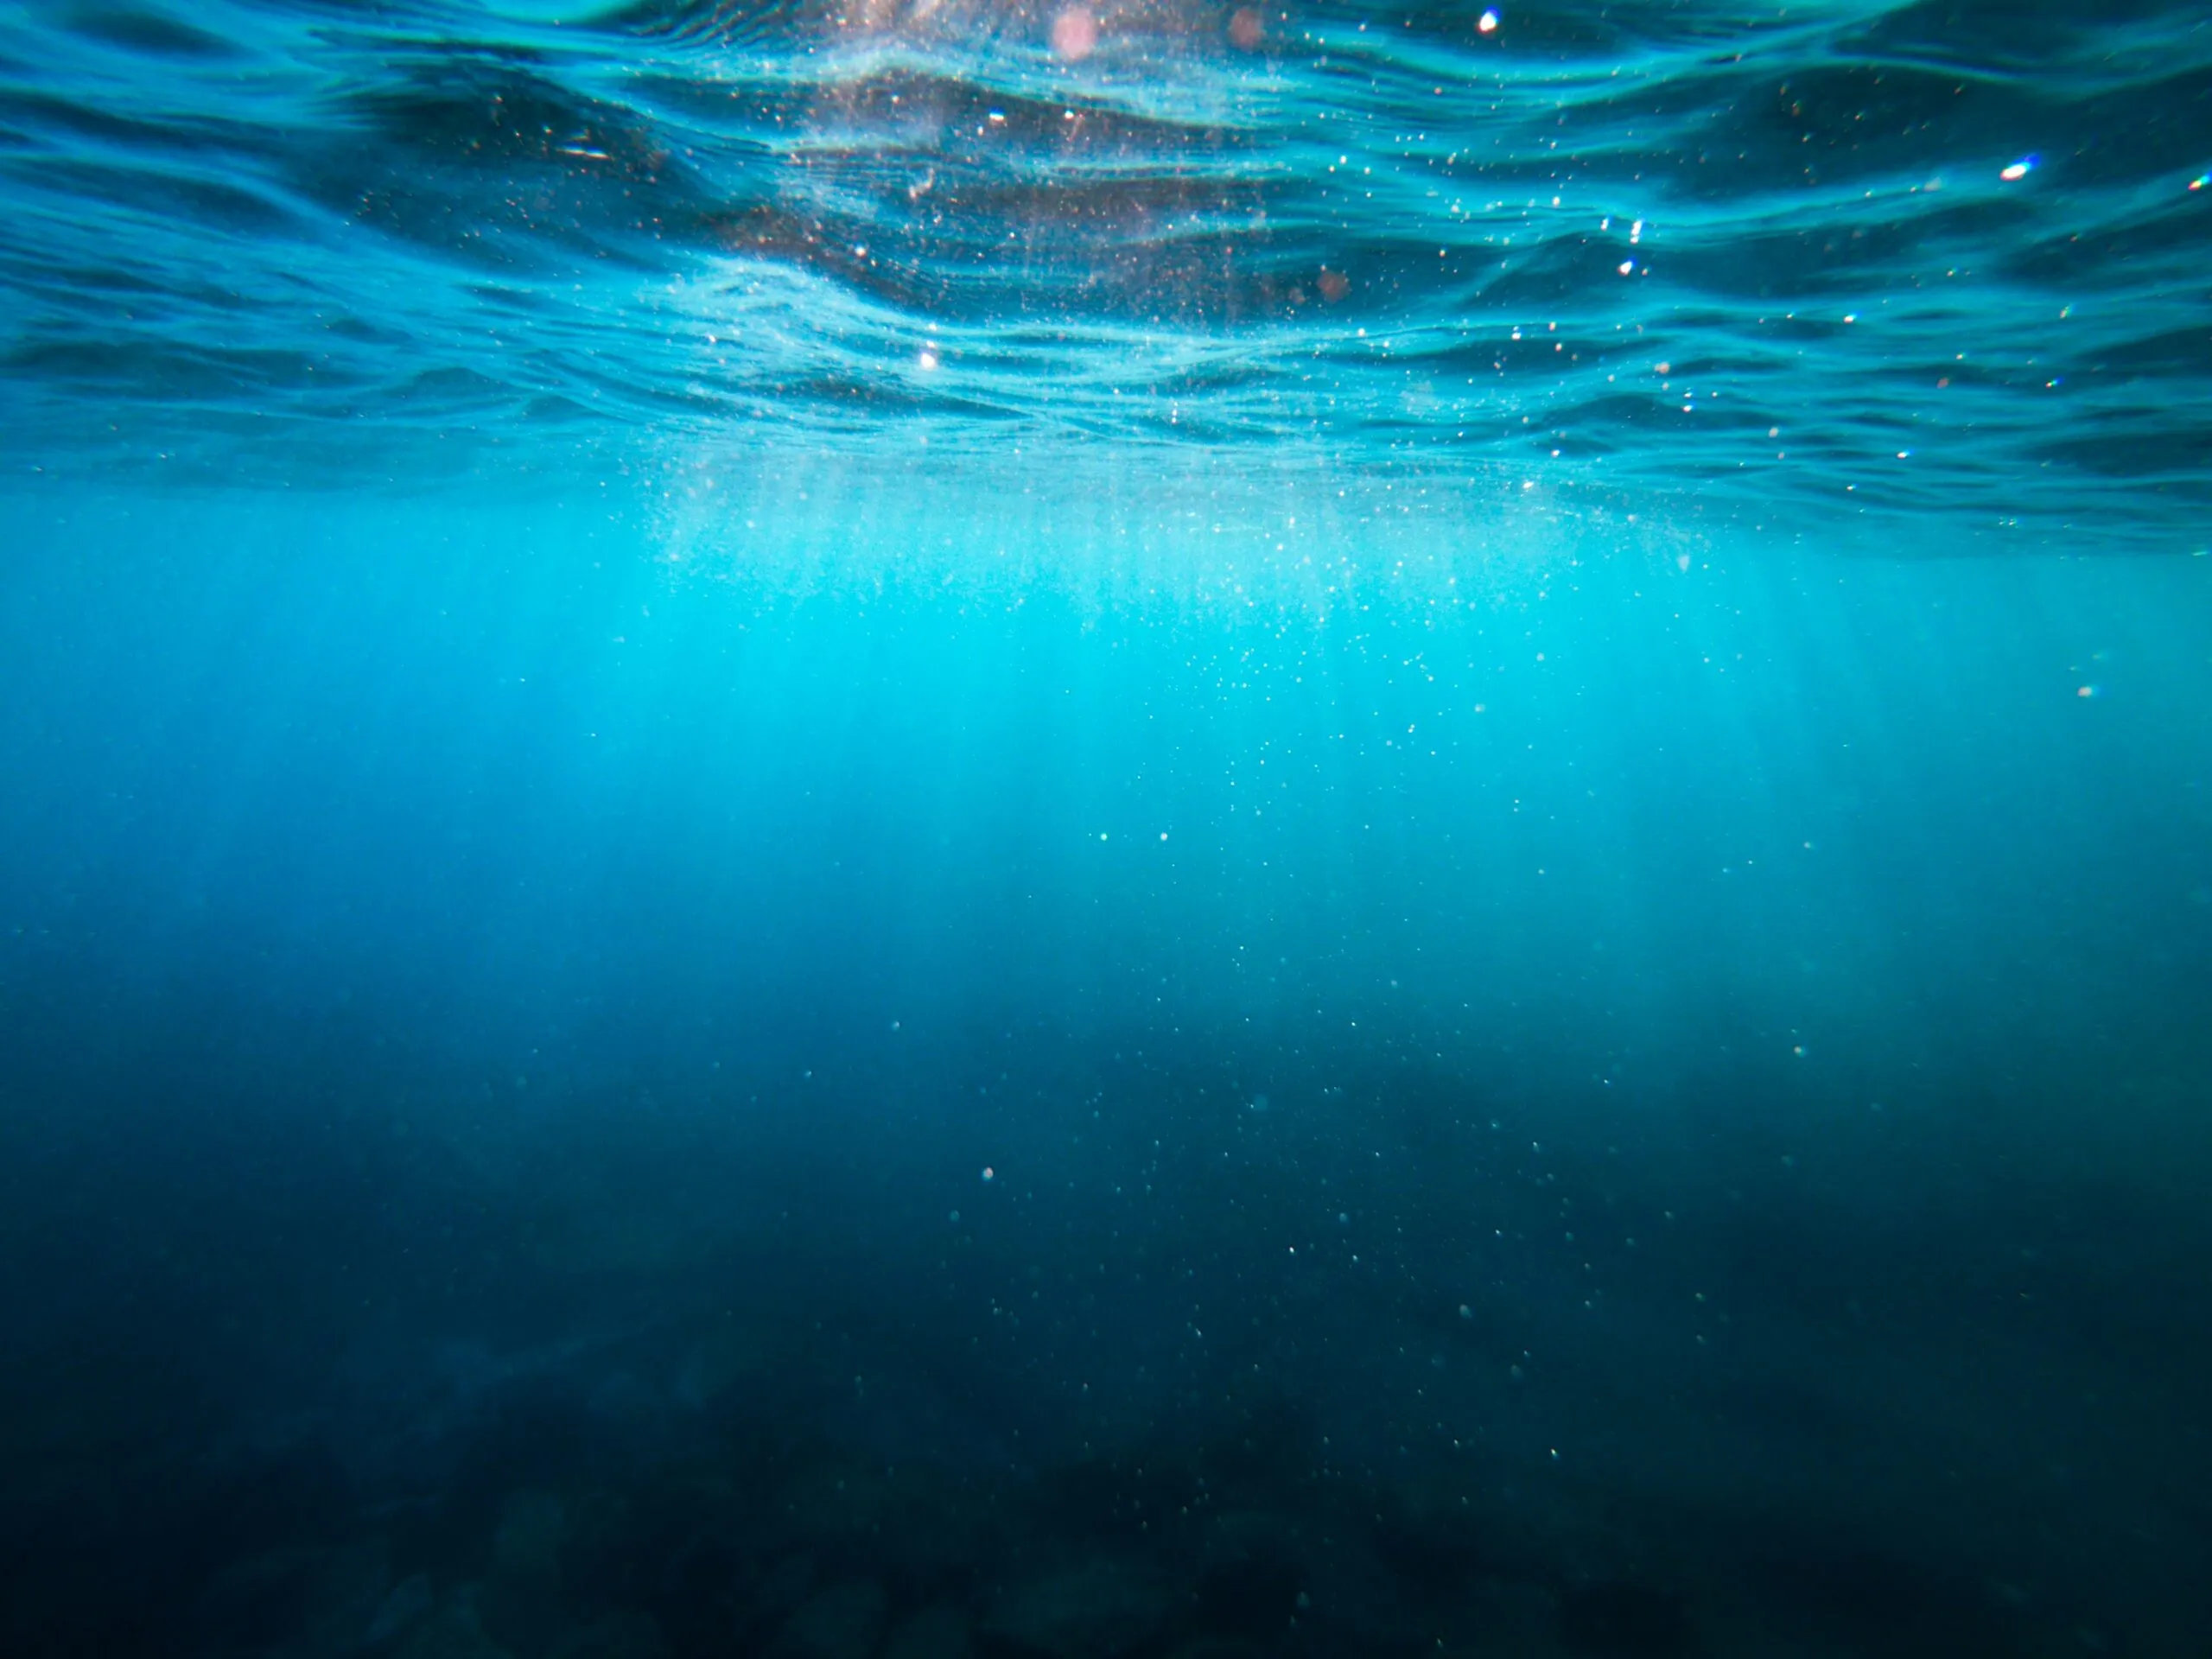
x=1105, y=830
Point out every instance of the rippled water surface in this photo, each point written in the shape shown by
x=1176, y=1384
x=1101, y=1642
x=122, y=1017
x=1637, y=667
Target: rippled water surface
x=1804, y=262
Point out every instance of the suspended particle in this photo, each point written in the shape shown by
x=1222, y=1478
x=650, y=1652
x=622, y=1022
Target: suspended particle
x=1075, y=34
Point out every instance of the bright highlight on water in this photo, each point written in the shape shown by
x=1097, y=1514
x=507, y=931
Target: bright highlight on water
x=1122, y=830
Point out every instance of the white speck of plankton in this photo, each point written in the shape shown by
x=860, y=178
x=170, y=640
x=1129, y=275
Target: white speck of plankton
x=2018, y=171
x=1488, y=22
x=989, y=1174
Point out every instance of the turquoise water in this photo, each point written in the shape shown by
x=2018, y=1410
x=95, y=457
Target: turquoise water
x=1155, y=833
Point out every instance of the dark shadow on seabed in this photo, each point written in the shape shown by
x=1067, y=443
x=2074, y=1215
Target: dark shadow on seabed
x=1254, y=1344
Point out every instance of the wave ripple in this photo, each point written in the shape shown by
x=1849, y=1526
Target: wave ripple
x=1947, y=258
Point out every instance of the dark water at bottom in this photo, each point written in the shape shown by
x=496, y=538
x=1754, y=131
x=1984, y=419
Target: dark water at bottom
x=1620, y=1100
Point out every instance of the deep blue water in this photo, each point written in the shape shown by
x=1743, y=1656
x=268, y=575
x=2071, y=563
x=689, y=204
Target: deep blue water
x=907, y=830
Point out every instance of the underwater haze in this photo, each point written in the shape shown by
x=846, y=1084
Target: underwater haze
x=1115, y=829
